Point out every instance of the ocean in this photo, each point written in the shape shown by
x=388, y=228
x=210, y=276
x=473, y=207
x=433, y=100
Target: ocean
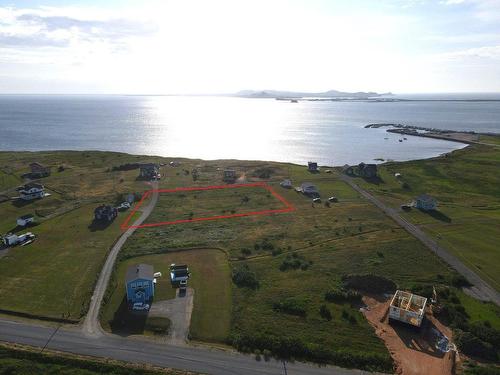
x=331, y=133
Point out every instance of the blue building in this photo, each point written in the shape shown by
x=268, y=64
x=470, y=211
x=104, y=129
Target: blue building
x=139, y=284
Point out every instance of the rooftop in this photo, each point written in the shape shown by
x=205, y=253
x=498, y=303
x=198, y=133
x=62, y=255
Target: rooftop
x=139, y=271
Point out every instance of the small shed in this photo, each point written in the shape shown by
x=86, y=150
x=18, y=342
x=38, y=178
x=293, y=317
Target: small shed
x=139, y=283
x=178, y=273
x=312, y=166
x=25, y=220
x=425, y=202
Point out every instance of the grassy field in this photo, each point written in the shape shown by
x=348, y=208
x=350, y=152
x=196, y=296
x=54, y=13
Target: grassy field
x=210, y=278
x=54, y=276
x=186, y=205
x=466, y=185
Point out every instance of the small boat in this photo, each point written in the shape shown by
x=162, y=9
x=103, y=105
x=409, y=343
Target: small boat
x=405, y=139
x=294, y=101
x=400, y=140
x=386, y=137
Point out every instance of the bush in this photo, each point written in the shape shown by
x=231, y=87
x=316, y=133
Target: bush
x=246, y=251
x=295, y=261
x=369, y=283
x=325, y=313
x=458, y=281
x=243, y=277
x=291, y=347
x=291, y=306
x=341, y=295
x=471, y=345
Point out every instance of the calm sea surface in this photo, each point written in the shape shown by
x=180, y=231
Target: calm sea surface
x=331, y=133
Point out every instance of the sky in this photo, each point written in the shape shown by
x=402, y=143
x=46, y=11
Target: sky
x=223, y=46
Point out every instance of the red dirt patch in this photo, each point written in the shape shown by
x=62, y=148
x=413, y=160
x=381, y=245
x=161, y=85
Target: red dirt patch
x=412, y=350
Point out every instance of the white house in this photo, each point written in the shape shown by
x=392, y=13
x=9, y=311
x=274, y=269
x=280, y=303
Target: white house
x=25, y=220
x=31, y=191
x=426, y=202
x=407, y=307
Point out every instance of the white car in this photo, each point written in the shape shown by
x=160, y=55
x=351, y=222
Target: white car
x=139, y=306
x=124, y=206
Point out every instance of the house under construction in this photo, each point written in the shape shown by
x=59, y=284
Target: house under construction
x=407, y=307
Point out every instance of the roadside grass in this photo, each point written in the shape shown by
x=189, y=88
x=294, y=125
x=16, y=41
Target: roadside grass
x=210, y=279
x=466, y=185
x=480, y=312
x=20, y=360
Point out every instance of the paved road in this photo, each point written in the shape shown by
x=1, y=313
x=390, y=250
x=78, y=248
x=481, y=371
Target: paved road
x=91, y=325
x=209, y=361
x=480, y=288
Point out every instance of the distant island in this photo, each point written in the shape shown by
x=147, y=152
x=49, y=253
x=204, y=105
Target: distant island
x=330, y=94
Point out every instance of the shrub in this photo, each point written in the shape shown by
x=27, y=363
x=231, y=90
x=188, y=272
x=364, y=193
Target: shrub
x=458, y=281
x=291, y=306
x=295, y=261
x=246, y=251
x=471, y=345
x=325, y=313
x=341, y=295
x=369, y=283
x=243, y=277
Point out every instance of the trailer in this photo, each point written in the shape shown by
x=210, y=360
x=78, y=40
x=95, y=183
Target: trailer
x=408, y=308
x=23, y=239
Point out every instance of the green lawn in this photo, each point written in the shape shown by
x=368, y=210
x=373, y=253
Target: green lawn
x=210, y=279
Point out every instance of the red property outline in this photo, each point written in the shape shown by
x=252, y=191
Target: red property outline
x=288, y=207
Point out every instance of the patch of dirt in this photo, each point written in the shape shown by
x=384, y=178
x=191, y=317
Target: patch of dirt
x=413, y=350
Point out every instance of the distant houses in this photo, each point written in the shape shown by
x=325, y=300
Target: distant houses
x=38, y=170
x=229, y=175
x=367, y=170
x=309, y=189
x=425, y=202
x=149, y=171
x=105, y=213
x=361, y=170
x=30, y=191
x=139, y=284
x=312, y=166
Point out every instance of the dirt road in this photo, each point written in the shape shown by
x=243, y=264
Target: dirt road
x=91, y=325
x=480, y=288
